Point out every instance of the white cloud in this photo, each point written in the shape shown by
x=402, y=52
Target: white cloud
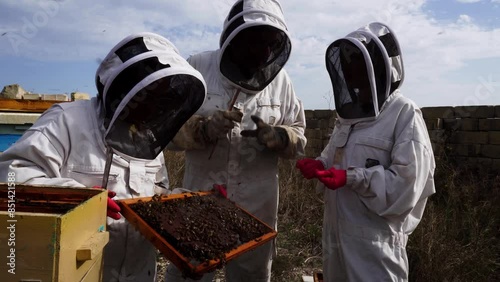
x=469, y=1
x=464, y=19
x=431, y=49
x=86, y=30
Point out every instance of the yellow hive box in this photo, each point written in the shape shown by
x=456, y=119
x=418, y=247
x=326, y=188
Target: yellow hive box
x=51, y=233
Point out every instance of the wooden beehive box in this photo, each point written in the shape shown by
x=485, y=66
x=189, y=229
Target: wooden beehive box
x=191, y=268
x=53, y=233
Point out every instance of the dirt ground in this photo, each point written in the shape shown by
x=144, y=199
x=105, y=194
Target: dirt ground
x=286, y=268
x=162, y=267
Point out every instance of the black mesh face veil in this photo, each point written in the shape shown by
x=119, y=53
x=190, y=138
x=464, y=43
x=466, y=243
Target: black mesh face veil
x=350, y=72
x=148, y=91
x=126, y=80
x=255, y=56
x=387, y=41
x=379, y=71
x=151, y=118
x=392, y=47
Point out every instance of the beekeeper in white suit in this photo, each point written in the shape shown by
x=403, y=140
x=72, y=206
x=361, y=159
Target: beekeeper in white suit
x=250, y=118
x=378, y=166
x=146, y=92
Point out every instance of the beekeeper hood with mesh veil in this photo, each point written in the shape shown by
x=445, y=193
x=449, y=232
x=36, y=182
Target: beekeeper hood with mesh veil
x=379, y=158
x=254, y=44
x=148, y=91
x=250, y=119
x=365, y=67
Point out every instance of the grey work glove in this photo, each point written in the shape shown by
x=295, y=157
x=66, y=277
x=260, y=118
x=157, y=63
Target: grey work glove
x=273, y=137
x=220, y=123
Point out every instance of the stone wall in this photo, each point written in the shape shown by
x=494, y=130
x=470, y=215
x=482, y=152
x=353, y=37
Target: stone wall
x=466, y=134
x=319, y=126
x=16, y=91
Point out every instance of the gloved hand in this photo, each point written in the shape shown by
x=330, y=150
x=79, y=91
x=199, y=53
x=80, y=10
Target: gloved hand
x=221, y=189
x=220, y=123
x=309, y=167
x=113, y=208
x=332, y=178
x=273, y=137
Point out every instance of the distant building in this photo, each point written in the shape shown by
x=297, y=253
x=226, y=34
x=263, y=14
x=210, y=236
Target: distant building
x=19, y=109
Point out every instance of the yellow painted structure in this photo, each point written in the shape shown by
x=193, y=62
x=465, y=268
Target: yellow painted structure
x=55, y=234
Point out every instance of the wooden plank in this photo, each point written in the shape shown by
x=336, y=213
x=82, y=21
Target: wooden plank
x=318, y=277
x=36, y=241
x=45, y=199
x=18, y=120
x=48, y=193
x=95, y=272
x=93, y=247
x=32, y=106
x=50, y=208
x=77, y=227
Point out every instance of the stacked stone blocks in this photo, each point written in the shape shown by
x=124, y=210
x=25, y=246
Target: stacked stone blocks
x=466, y=134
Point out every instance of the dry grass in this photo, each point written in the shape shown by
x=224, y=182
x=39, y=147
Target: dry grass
x=300, y=217
x=457, y=239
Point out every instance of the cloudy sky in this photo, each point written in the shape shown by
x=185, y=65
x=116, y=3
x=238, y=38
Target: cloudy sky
x=451, y=48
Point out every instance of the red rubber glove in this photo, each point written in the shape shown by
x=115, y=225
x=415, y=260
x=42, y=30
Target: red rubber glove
x=113, y=208
x=332, y=178
x=221, y=189
x=309, y=167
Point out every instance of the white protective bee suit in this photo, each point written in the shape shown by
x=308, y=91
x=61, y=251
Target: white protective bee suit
x=248, y=169
x=68, y=144
x=385, y=148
